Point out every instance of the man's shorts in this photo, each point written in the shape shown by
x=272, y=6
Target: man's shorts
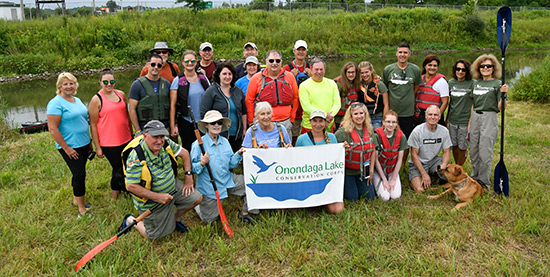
x=430, y=168
x=162, y=221
x=458, y=136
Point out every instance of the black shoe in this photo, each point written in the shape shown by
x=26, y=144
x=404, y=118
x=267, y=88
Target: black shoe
x=181, y=227
x=246, y=218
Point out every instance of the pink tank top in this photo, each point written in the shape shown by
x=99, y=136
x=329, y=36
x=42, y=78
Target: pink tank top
x=112, y=124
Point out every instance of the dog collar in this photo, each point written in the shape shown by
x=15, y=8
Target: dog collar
x=463, y=183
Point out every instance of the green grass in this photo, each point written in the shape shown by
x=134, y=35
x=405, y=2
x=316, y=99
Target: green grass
x=80, y=43
x=40, y=234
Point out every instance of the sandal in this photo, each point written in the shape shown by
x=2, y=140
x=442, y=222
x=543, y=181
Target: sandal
x=86, y=205
x=86, y=214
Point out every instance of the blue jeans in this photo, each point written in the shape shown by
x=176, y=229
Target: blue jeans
x=354, y=188
x=376, y=121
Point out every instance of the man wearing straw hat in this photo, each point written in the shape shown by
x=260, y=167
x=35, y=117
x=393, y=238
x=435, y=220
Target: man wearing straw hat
x=220, y=156
x=169, y=69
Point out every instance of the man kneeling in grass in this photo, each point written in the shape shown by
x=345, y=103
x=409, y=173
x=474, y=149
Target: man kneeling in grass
x=163, y=220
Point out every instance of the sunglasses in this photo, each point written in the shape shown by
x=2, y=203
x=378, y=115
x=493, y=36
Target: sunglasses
x=357, y=104
x=274, y=60
x=159, y=65
x=486, y=66
x=404, y=75
x=106, y=82
x=460, y=69
x=219, y=122
x=162, y=52
x=188, y=60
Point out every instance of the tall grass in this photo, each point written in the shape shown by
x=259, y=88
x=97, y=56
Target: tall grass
x=40, y=234
x=6, y=132
x=75, y=43
x=535, y=86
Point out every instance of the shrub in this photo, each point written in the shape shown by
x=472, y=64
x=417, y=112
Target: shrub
x=534, y=87
x=474, y=25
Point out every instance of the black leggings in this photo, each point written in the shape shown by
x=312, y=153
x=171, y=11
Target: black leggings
x=113, y=154
x=78, y=169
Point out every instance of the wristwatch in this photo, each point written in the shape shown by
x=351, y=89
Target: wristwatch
x=188, y=173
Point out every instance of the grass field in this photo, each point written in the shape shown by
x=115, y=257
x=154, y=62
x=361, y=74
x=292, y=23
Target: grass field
x=40, y=234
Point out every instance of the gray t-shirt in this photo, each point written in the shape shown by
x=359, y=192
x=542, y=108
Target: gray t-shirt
x=428, y=142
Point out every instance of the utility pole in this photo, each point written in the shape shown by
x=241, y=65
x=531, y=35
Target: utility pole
x=22, y=6
x=93, y=7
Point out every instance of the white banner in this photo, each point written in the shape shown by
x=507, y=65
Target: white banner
x=296, y=177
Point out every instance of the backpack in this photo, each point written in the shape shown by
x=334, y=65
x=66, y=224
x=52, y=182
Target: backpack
x=146, y=178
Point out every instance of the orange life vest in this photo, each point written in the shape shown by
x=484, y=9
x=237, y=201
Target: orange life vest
x=427, y=95
x=389, y=153
x=360, y=150
x=276, y=91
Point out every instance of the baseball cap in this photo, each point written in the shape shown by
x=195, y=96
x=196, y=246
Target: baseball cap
x=300, y=43
x=318, y=113
x=155, y=128
x=251, y=44
x=206, y=45
x=251, y=59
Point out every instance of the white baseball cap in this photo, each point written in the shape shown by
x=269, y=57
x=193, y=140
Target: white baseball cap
x=300, y=43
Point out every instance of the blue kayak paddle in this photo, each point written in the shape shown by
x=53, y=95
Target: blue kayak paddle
x=504, y=29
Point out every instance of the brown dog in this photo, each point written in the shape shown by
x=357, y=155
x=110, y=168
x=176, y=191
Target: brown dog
x=463, y=186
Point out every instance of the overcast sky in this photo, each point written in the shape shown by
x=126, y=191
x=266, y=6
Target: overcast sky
x=149, y=3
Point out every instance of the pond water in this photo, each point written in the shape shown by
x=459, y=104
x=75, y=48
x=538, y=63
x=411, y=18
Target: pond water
x=27, y=100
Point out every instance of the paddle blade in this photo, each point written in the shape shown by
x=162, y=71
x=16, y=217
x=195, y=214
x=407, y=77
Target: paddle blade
x=501, y=179
x=504, y=27
x=94, y=252
x=223, y=218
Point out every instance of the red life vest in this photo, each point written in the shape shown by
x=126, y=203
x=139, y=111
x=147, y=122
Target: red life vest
x=351, y=97
x=276, y=91
x=426, y=95
x=358, y=147
x=389, y=153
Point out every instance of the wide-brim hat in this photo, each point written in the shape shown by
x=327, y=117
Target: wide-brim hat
x=161, y=45
x=213, y=116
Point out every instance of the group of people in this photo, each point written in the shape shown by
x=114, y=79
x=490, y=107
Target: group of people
x=377, y=118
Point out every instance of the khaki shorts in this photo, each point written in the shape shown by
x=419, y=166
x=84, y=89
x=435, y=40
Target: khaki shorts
x=458, y=136
x=162, y=221
x=430, y=168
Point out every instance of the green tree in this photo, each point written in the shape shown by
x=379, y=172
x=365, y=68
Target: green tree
x=196, y=5
x=111, y=5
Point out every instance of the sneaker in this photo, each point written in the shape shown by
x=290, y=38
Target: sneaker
x=124, y=223
x=86, y=214
x=246, y=218
x=180, y=227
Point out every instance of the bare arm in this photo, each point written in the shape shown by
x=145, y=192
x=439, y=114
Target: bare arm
x=132, y=112
x=446, y=158
x=386, y=101
x=126, y=100
x=93, y=112
x=188, y=183
x=173, y=98
x=140, y=191
x=444, y=104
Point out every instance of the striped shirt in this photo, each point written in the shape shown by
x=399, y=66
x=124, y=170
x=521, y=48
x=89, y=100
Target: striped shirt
x=163, y=179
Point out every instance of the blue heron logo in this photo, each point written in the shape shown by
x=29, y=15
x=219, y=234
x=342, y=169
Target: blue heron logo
x=261, y=164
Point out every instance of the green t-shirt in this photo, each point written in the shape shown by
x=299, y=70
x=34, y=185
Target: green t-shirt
x=401, y=87
x=486, y=95
x=461, y=101
x=342, y=135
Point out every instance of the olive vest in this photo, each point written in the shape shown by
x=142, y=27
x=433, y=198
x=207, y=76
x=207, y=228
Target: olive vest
x=154, y=106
